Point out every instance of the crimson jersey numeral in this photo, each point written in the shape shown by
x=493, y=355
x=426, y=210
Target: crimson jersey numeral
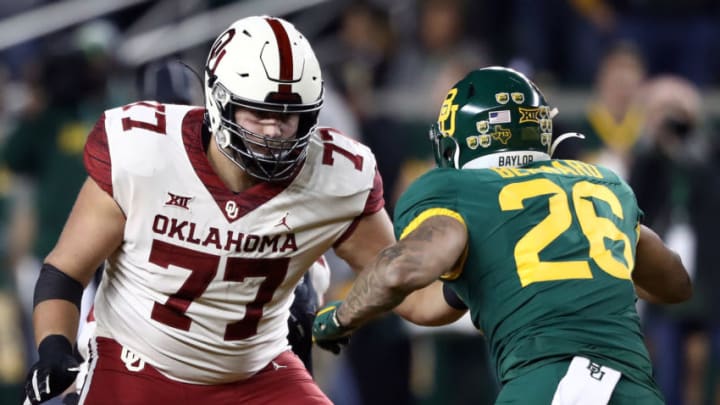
x=159, y=126
x=329, y=147
x=240, y=269
x=203, y=267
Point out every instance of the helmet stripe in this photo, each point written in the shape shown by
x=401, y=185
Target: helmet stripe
x=286, y=57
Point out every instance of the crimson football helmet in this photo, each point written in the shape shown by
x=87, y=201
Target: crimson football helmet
x=265, y=64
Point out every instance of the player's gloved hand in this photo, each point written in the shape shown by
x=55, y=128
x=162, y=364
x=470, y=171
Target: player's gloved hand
x=54, y=371
x=71, y=399
x=327, y=331
x=302, y=315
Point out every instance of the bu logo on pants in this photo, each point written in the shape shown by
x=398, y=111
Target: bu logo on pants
x=596, y=371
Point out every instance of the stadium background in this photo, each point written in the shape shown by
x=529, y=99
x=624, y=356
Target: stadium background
x=612, y=67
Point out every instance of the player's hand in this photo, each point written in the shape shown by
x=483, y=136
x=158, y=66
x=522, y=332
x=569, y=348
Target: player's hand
x=54, y=371
x=302, y=315
x=327, y=331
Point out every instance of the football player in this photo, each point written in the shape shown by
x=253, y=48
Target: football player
x=549, y=256
x=209, y=218
x=170, y=81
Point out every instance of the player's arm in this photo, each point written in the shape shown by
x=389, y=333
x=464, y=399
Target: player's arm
x=431, y=306
x=372, y=234
x=409, y=265
x=659, y=274
x=92, y=232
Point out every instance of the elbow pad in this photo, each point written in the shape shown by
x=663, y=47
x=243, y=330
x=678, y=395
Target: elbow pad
x=53, y=284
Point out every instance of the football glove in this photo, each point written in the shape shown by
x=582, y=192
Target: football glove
x=327, y=331
x=53, y=372
x=302, y=314
x=72, y=398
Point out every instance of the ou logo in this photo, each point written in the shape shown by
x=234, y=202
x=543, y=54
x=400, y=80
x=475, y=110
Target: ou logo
x=231, y=209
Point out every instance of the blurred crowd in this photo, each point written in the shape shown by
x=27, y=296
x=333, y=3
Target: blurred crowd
x=647, y=71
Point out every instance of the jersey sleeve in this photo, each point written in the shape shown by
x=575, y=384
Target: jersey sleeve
x=97, y=156
x=625, y=193
x=432, y=194
x=375, y=201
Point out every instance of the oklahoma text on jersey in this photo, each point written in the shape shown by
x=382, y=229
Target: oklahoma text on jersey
x=188, y=231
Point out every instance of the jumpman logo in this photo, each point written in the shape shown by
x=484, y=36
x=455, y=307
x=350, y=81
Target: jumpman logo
x=283, y=222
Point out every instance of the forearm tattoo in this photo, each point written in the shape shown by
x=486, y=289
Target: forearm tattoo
x=372, y=294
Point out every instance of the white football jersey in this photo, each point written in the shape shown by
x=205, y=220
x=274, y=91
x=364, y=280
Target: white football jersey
x=202, y=284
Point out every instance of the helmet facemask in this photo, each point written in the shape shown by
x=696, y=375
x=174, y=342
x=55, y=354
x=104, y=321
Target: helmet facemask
x=264, y=157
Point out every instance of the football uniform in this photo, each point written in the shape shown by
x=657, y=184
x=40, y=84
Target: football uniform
x=201, y=287
x=547, y=271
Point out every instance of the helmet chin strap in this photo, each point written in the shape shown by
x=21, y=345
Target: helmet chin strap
x=566, y=135
x=456, y=156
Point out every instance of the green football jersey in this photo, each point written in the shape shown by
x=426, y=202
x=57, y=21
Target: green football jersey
x=547, y=270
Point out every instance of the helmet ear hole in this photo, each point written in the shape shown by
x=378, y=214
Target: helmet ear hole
x=445, y=148
x=448, y=154
x=449, y=151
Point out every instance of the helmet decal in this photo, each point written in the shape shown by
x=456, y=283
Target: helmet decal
x=284, y=49
x=485, y=141
x=546, y=138
x=501, y=135
x=447, y=113
x=499, y=117
x=217, y=52
x=502, y=98
x=529, y=115
x=545, y=111
x=482, y=126
x=518, y=98
x=546, y=125
x=285, y=73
